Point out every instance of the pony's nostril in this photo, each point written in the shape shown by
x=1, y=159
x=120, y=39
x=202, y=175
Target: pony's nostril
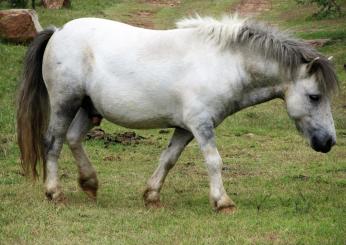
x=329, y=142
x=314, y=140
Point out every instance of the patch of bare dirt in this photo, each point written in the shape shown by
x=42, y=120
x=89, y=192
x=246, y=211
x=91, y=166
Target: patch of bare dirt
x=142, y=18
x=318, y=43
x=252, y=7
x=235, y=172
x=112, y=158
x=125, y=138
x=164, y=3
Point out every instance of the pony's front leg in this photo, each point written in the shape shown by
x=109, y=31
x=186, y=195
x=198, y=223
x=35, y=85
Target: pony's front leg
x=168, y=159
x=204, y=134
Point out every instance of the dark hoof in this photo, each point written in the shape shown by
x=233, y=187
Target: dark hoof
x=151, y=199
x=224, y=205
x=227, y=210
x=56, y=197
x=89, y=186
x=153, y=205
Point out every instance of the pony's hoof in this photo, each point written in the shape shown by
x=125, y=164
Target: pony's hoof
x=56, y=197
x=224, y=205
x=92, y=194
x=151, y=199
x=153, y=205
x=89, y=186
x=227, y=210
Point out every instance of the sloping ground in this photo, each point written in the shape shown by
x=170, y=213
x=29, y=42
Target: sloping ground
x=144, y=18
x=164, y=3
x=252, y=7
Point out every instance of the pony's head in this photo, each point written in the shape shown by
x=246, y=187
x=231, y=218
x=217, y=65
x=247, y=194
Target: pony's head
x=308, y=102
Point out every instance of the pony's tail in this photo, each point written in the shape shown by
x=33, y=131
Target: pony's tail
x=33, y=107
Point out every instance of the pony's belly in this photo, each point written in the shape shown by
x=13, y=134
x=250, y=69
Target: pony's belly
x=140, y=117
x=139, y=122
x=133, y=105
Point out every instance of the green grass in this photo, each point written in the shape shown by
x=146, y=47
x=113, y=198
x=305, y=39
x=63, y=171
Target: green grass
x=285, y=192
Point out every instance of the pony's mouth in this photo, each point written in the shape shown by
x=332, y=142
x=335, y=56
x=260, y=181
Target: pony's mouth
x=320, y=141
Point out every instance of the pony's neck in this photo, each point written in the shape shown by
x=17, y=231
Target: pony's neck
x=260, y=95
x=265, y=81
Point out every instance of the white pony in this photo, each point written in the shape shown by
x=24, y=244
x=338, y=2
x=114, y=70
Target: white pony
x=190, y=79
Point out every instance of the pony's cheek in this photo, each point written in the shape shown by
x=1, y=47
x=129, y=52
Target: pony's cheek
x=295, y=107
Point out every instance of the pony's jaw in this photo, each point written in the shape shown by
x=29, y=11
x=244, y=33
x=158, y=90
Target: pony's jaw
x=320, y=139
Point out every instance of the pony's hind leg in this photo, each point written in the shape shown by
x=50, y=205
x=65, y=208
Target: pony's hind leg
x=60, y=119
x=79, y=127
x=168, y=159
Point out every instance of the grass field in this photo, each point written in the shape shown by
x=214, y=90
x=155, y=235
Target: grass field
x=285, y=192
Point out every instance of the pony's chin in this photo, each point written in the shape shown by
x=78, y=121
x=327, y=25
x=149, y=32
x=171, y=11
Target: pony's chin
x=323, y=150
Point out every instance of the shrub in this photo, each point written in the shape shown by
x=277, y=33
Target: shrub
x=18, y=3
x=327, y=8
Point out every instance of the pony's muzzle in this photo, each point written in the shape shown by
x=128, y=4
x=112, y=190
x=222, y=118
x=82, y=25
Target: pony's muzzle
x=322, y=142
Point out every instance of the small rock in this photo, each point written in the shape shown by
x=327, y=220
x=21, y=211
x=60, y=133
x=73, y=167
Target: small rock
x=56, y=4
x=249, y=135
x=19, y=25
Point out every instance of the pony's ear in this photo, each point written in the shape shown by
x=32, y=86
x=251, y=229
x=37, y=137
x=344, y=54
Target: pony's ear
x=313, y=65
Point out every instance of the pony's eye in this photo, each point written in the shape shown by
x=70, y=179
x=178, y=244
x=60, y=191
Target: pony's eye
x=314, y=97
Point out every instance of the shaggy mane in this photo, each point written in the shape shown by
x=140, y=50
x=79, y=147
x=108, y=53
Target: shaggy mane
x=290, y=52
